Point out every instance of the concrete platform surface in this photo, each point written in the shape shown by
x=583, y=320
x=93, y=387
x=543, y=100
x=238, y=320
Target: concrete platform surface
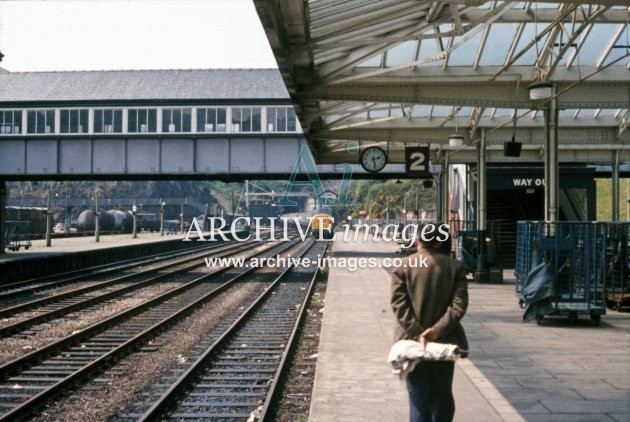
x=62, y=245
x=559, y=371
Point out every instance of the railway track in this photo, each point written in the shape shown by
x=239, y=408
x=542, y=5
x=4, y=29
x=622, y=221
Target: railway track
x=9, y=291
x=236, y=375
x=59, y=305
x=29, y=381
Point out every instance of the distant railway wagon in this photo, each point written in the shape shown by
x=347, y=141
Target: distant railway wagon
x=32, y=219
x=109, y=221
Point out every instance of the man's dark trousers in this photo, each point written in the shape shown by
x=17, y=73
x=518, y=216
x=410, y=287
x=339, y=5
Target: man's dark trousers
x=430, y=392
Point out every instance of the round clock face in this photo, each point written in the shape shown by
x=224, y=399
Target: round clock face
x=373, y=159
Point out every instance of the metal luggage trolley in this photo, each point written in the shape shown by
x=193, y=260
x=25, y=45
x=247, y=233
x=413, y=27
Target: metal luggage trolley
x=560, y=269
x=616, y=237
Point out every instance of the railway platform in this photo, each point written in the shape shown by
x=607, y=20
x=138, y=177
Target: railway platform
x=558, y=371
x=63, y=245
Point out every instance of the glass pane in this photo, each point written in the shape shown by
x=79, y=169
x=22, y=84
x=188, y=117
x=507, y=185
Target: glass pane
x=529, y=33
x=247, y=120
x=107, y=117
x=118, y=121
x=271, y=119
x=167, y=123
x=282, y=120
x=401, y=54
x=133, y=121
x=17, y=121
x=142, y=121
x=98, y=121
x=50, y=121
x=201, y=120
x=499, y=42
x=176, y=121
x=429, y=49
x=74, y=121
x=186, y=119
x=30, y=122
x=236, y=119
x=256, y=119
x=465, y=54
x=65, y=121
x=221, y=120
x=152, y=120
x=83, y=121
x=291, y=125
x=41, y=121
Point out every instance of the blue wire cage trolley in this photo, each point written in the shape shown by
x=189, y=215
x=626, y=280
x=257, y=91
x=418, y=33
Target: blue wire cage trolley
x=616, y=237
x=560, y=269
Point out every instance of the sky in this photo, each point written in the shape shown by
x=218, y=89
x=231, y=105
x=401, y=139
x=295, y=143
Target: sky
x=61, y=35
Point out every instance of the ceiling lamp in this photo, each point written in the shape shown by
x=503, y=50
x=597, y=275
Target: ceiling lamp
x=512, y=149
x=456, y=140
x=540, y=91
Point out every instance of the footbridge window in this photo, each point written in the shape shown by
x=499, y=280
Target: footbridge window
x=41, y=121
x=74, y=121
x=246, y=119
x=281, y=119
x=142, y=120
x=10, y=122
x=108, y=120
x=211, y=119
x=176, y=120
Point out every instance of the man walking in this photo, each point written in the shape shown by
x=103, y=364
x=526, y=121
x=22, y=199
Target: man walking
x=428, y=303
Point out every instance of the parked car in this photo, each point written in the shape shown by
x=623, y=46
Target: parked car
x=60, y=228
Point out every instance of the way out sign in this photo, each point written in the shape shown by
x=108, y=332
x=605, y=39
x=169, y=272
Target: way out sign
x=417, y=161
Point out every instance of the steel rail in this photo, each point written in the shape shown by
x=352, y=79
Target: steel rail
x=61, y=311
x=274, y=388
x=27, y=407
x=161, y=405
x=61, y=279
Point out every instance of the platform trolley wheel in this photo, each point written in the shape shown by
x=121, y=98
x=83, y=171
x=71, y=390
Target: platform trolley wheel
x=596, y=319
x=539, y=319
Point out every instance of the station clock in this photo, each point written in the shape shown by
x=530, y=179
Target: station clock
x=373, y=159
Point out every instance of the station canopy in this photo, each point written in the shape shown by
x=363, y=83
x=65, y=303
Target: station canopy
x=411, y=72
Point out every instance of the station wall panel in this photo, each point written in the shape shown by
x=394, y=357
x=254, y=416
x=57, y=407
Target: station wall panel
x=41, y=157
x=108, y=156
x=143, y=156
x=177, y=156
x=74, y=156
x=281, y=153
x=12, y=157
x=212, y=155
x=247, y=156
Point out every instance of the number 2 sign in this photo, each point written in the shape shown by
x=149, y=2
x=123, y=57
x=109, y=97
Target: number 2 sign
x=417, y=161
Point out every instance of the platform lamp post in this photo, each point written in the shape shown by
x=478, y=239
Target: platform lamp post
x=181, y=220
x=48, y=220
x=134, y=214
x=97, y=213
x=162, y=217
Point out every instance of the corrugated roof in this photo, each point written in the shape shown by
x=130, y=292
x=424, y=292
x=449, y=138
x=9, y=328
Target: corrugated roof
x=217, y=84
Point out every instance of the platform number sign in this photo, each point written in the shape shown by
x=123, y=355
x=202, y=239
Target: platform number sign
x=417, y=161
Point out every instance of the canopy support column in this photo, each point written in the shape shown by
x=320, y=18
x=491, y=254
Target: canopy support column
x=552, y=174
x=482, y=275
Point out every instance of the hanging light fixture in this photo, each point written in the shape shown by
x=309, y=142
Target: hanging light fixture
x=513, y=148
x=540, y=91
x=456, y=140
